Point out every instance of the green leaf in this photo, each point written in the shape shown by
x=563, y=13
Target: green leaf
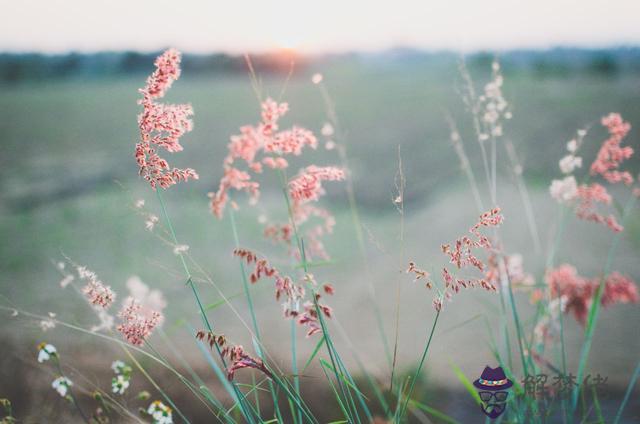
x=221, y=302
x=343, y=378
x=429, y=410
x=466, y=383
x=314, y=353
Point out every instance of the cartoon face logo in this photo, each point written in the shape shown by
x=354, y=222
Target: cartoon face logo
x=493, y=387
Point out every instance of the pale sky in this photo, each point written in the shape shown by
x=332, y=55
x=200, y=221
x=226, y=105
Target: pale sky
x=238, y=26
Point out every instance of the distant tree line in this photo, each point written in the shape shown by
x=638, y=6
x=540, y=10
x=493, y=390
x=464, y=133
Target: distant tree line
x=558, y=62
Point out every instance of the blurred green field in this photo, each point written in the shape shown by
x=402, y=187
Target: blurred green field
x=68, y=180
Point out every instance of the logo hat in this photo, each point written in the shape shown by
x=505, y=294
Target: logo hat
x=493, y=379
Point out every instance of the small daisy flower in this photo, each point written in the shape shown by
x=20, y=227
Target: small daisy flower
x=139, y=204
x=62, y=384
x=46, y=351
x=317, y=78
x=119, y=384
x=160, y=413
x=118, y=366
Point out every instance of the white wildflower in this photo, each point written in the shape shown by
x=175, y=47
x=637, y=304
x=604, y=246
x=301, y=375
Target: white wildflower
x=572, y=146
x=119, y=384
x=46, y=351
x=160, y=413
x=330, y=145
x=117, y=366
x=139, y=204
x=62, y=384
x=316, y=78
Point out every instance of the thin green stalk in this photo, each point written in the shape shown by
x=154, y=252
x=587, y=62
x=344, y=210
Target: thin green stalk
x=154, y=384
x=294, y=364
x=203, y=314
x=317, y=307
x=191, y=386
x=355, y=215
x=419, y=370
x=56, y=360
x=627, y=394
x=254, y=321
x=203, y=387
x=333, y=354
x=400, y=183
x=595, y=308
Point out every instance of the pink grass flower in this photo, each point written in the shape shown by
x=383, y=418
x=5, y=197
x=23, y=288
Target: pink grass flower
x=291, y=293
x=578, y=292
x=98, y=294
x=150, y=300
x=611, y=154
x=240, y=359
x=262, y=144
x=308, y=184
x=619, y=288
x=588, y=197
x=137, y=324
x=462, y=255
x=161, y=125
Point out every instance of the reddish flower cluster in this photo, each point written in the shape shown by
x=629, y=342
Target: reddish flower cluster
x=161, y=125
x=137, y=324
x=589, y=196
x=611, y=154
x=98, y=294
x=606, y=164
x=95, y=291
x=462, y=255
x=577, y=292
x=264, y=145
x=308, y=185
x=419, y=274
x=291, y=292
x=235, y=353
x=263, y=138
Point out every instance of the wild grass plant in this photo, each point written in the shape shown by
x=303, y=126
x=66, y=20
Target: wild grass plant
x=257, y=387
